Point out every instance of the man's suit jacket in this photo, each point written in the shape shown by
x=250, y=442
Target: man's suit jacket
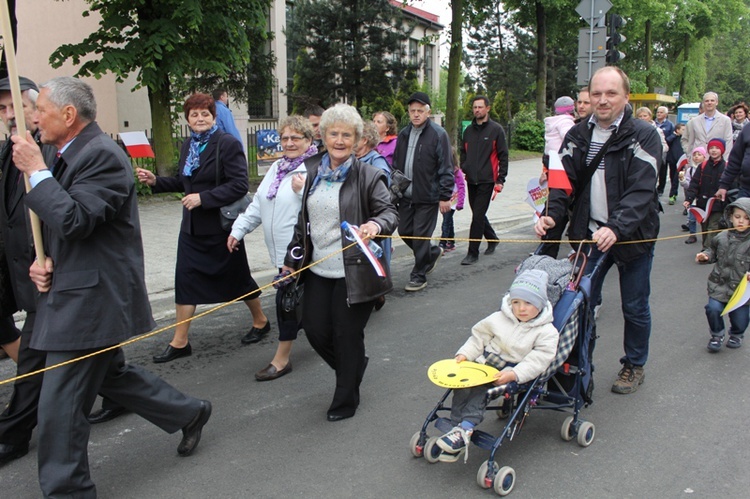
x=16, y=227
x=92, y=232
x=205, y=219
x=695, y=133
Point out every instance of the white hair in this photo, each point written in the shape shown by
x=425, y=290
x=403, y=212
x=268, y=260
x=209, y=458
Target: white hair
x=69, y=91
x=342, y=114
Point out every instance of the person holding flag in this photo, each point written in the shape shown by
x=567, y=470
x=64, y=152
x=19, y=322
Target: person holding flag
x=341, y=288
x=611, y=161
x=729, y=250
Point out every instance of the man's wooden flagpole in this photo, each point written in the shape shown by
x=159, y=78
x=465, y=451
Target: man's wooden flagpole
x=15, y=90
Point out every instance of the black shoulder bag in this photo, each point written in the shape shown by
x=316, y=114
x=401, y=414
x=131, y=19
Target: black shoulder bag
x=230, y=212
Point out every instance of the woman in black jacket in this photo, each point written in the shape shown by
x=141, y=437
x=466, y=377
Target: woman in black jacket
x=206, y=272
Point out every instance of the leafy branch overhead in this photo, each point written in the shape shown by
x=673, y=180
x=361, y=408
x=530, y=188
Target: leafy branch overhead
x=171, y=45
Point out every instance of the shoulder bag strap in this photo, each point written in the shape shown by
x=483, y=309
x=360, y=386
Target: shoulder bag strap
x=594, y=165
x=218, y=160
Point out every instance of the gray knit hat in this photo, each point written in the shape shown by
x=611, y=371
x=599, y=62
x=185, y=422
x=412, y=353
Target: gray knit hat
x=564, y=105
x=530, y=286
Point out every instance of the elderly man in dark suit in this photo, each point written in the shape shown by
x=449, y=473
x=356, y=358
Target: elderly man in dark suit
x=92, y=289
x=19, y=418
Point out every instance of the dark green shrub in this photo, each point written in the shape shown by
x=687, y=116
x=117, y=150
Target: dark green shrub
x=529, y=136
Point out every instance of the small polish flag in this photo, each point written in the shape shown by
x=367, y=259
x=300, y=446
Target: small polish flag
x=556, y=176
x=137, y=144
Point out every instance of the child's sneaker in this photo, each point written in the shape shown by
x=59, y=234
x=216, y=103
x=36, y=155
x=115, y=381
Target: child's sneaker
x=450, y=246
x=443, y=244
x=715, y=344
x=734, y=341
x=672, y=199
x=455, y=440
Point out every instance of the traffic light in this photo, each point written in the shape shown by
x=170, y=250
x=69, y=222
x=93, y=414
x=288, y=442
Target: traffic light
x=614, y=38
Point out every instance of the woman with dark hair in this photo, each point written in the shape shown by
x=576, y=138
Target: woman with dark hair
x=206, y=272
x=739, y=114
x=341, y=288
x=388, y=130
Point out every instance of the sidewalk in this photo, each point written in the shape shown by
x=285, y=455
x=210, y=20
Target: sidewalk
x=160, y=222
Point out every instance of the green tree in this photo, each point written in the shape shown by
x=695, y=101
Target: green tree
x=346, y=51
x=167, y=43
x=454, y=71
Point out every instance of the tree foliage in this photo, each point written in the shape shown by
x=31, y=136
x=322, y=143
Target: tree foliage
x=685, y=46
x=170, y=45
x=347, y=50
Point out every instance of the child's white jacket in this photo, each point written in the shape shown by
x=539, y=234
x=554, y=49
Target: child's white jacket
x=530, y=345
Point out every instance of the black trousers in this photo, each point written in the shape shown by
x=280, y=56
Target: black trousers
x=336, y=331
x=418, y=219
x=18, y=420
x=66, y=398
x=480, y=196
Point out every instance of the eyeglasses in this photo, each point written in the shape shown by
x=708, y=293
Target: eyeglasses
x=293, y=138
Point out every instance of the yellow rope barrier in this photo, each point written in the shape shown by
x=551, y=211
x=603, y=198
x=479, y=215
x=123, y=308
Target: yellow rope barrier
x=293, y=274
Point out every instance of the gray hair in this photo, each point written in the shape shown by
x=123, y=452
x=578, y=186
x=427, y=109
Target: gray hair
x=298, y=124
x=69, y=91
x=370, y=134
x=711, y=93
x=342, y=114
x=32, y=94
x=662, y=109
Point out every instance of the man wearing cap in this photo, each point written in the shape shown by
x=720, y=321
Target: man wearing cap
x=423, y=153
x=484, y=161
x=19, y=418
x=708, y=125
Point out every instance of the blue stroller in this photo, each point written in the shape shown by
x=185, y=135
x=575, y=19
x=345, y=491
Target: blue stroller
x=566, y=385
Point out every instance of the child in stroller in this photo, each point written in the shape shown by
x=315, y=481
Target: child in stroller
x=520, y=340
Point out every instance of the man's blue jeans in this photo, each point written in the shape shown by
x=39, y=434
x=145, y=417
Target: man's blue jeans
x=635, y=289
x=738, y=318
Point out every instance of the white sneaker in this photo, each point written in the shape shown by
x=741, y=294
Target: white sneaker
x=455, y=443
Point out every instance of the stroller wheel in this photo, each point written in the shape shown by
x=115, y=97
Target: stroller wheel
x=432, y=451
x=567, y=432
x=416, y=449
x=586, y=434
x=482, y=479
x=504, y=481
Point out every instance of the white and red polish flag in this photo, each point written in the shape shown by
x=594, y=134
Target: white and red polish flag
x=137, y=144
x=556, y=176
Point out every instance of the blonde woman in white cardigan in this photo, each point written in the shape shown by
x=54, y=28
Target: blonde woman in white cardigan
x=275, y=206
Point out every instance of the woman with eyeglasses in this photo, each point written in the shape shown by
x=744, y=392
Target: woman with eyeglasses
x=342, y=287
x=275, y=206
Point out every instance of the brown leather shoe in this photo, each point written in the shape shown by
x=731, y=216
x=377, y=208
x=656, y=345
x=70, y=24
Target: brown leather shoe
x=270, y=372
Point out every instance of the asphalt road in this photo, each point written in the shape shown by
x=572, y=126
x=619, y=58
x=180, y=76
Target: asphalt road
x=683, y=434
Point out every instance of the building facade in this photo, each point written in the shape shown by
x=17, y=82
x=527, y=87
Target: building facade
x=120, y=109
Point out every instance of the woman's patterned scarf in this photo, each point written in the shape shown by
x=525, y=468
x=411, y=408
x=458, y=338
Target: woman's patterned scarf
x=287, y=165
x=325, y=173
x=198, y=142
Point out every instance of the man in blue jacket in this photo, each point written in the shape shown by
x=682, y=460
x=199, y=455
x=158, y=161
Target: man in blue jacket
x=224, y=118
x=423, y=153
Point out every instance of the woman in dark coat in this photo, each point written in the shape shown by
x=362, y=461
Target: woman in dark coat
x=206, y=272
x=341, y=288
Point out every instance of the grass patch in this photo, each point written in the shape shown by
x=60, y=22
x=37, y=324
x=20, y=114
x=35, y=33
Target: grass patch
x=516, y=155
